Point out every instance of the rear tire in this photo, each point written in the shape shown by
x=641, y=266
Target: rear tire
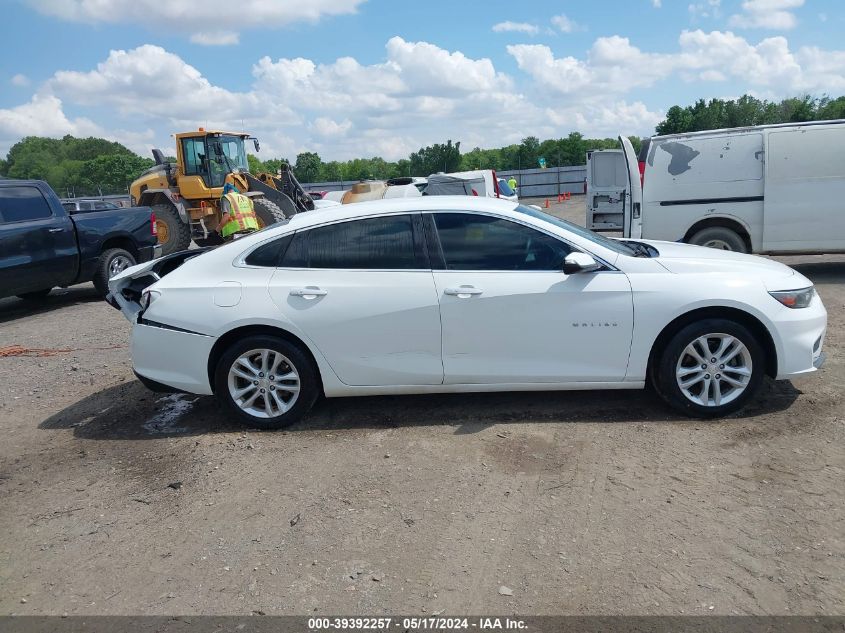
x=710, y=368
x=721, y=238
x=111, y=262
x=35, y=295
x=245, y=382
x=173, y=234
x=268, y=212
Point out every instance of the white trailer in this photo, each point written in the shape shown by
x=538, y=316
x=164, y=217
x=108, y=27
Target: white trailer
x=764, y=189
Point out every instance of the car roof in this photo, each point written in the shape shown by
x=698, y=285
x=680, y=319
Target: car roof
x=399, y=205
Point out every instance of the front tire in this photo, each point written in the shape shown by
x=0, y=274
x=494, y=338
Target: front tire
x=111, y=262
x=173, y=234
x=268, y=212
x=721, y=238
x=266, y=382
x=710, y=368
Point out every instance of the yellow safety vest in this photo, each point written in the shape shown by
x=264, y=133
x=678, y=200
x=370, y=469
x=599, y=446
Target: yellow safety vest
x=512, y=183
x=241, y=215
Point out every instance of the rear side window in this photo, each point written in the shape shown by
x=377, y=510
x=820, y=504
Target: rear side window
x=385, y=243
x=270, y=254
x=482, y=242
x=23, y=203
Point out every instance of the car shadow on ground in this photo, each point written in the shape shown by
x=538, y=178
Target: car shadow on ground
x=822, y=272
x=13, y=308
x=130, y=411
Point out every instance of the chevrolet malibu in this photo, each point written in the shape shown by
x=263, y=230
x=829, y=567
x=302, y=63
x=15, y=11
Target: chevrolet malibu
x=450, y=294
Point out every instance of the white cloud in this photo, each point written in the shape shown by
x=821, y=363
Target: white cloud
x=565, y=25
x=195, y=18
x=328, y=128
x=41, y=116
x=151, y=82
x=417, y=94
x=657, y=3
x=614, y=66
x=766, y=14
x=705, y=9
x=19, y=80
x=215, y=38
x=515, y=27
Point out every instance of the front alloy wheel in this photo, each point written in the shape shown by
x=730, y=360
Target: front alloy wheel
x=266, y=381
x=714, y=369
x=709, y=368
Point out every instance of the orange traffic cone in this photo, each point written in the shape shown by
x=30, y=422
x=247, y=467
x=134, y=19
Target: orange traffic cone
x=547, y=203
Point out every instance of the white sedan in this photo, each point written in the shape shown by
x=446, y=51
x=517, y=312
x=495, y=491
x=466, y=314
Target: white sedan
x=455, y=294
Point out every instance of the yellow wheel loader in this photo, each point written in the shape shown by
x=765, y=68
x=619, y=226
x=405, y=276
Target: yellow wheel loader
x=185, y=196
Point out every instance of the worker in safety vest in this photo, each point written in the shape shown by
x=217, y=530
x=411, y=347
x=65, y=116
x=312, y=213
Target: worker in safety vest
x=512, y=183
x=238, y=213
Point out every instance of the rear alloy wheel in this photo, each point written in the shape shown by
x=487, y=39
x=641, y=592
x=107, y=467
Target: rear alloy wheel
x=721, y=238
x=112, y=262
x=710, y=368
x=266, y=381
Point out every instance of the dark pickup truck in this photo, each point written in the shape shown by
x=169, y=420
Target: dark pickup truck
x=43, y=246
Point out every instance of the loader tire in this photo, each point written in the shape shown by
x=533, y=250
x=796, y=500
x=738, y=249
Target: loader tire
x=268, y=212
x=173, y=234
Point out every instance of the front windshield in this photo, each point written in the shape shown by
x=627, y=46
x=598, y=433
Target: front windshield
x=226, y=154
x=615, y=245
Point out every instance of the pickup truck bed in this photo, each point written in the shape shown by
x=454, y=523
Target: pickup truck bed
x=43, y=246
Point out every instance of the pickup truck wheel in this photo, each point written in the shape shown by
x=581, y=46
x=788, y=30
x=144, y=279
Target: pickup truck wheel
x=173, y=234
x=710, y=368
x=721, y=238
x=266, y=382
x=36, y=295
x=111, y=262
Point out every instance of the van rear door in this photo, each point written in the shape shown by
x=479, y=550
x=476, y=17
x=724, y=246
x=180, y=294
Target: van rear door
x=632, y=222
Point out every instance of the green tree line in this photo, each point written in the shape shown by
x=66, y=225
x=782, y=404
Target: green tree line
x=90, y=166
x=747, y=110
x=75, y=166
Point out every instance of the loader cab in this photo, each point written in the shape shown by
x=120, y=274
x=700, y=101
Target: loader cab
x=206, y=158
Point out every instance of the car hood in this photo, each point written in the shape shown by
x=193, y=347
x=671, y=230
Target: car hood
x=688, y=259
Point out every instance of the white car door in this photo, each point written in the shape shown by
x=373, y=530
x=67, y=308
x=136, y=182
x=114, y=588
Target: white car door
x=632, y=225
x=361, y=290
x=510, y=314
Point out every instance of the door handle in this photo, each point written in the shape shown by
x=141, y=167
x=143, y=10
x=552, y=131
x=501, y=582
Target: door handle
x=309, y=292
x=56, y=230
x=463, y=292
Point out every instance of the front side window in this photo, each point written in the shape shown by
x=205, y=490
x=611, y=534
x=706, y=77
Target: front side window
x=481, y=242
x=23, y=203
x=385, y=243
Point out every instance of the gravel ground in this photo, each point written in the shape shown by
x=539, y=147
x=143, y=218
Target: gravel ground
x=117, y=500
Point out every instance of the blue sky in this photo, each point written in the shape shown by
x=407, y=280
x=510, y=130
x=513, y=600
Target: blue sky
x=374, y=77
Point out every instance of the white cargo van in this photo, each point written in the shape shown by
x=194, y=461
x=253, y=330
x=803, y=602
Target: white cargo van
x=764, y=189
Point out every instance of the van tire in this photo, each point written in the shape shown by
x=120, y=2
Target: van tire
x=720, y=237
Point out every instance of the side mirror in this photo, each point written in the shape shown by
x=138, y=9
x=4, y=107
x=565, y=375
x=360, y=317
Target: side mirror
x=579, y=263
x=257, y=146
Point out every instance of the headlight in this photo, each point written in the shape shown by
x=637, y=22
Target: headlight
x=147, y=297
x=795, y=298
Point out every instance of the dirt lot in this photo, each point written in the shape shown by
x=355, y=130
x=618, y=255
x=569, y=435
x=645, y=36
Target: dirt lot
x=116, y=500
